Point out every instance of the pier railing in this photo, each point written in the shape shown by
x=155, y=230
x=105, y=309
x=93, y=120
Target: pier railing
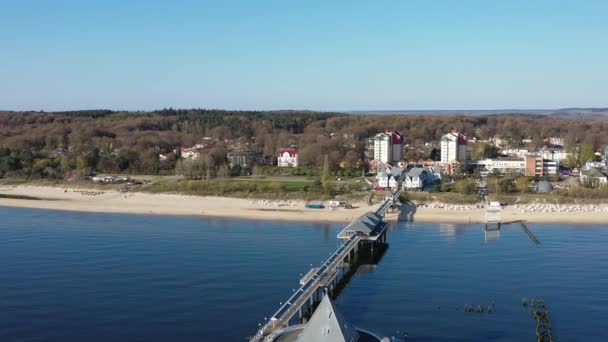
x=288, y=309
x=320, y=276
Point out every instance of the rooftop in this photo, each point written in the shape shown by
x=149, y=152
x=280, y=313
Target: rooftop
x=327, y=324
x=364, y=224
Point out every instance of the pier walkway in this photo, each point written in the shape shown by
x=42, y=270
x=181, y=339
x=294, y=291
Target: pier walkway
x=369, y=227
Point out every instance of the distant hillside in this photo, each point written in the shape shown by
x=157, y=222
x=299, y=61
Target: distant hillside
x=582, y=113
x=564, y=113
x=51, y=145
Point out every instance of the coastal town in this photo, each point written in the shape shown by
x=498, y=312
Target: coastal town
x=548, y=165
x=456, y=171
x=303, y=171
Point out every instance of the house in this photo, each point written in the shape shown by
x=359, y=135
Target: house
x=58, y=153
x=417, y=178
x=70, y=176
x=194, y=152
x=287, y=157
x=375, y=165
x=386, y=181
x=190, y=153
x=593, y=176
x=166, y=156
x=241, y=158
x=389, y=177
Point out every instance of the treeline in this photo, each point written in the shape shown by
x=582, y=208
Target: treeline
x=40, y=144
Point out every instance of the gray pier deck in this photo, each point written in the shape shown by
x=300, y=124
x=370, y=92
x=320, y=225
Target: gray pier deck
x=369, y=227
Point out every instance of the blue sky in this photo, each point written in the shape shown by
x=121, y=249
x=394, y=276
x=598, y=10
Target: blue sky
x=323, y=55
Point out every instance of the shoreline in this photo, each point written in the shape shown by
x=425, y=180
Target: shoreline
x=111, y=201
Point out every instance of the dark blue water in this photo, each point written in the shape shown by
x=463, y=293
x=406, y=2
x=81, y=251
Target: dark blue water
x=68, y=276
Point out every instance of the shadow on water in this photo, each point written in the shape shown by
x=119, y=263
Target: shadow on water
x=366, y=259
x=407, y=212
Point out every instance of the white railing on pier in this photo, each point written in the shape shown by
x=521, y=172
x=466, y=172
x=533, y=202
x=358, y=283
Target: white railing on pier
x=311, y=283
x=386, y=202
x=288, y=309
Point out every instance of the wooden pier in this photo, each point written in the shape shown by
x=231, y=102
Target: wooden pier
x=364, y=236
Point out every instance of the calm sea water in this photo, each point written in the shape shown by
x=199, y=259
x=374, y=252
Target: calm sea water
x=68, y=276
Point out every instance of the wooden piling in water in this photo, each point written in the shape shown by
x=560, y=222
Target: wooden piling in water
x=530, y=234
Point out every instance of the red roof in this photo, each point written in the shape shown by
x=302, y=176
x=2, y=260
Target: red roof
x=395, y=136
x=291, y=151
x=462, y=139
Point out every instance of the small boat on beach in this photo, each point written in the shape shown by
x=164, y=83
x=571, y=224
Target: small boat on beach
x=315, y=205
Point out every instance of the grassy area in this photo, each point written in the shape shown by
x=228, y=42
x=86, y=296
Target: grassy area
x=254, y=188
x=61, y=183
x=514, y=198
x=444, y=197
x=270, y=187
x=308, y=188
x=554, y=198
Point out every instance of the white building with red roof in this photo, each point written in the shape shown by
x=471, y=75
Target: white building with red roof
x=388, y=146
x=453, y=147
x=287, y=157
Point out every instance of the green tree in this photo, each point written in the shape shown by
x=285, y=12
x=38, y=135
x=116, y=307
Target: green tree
x=579, y=155
x=325, y=180
x=465, y=186
x=81, y=162
x=484, y=150
x=522, y=184
x=505, y=185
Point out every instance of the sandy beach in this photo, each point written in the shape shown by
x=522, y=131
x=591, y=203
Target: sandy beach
x=90, y=200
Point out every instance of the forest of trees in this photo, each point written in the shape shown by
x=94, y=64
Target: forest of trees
x=47, y=145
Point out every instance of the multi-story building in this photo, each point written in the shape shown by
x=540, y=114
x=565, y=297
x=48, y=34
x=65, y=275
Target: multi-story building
x=555, y=141
x=453, y=151
x=541, y=167
x=369, y=149
x=503, y=166
x=388, y=146
x=554, y=154
x=546, y=153
x=515, y=152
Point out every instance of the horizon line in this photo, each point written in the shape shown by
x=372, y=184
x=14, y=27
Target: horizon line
x=314, y=110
